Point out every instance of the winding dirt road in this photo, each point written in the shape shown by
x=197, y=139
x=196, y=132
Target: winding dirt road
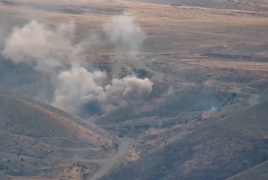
x=252, y=101
x=107, y=164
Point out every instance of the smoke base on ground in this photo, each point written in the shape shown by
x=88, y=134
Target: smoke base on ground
x=52, y=52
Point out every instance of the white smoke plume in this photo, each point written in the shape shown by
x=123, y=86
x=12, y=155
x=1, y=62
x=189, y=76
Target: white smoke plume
x=125, y=34
x=79, y=87
x=42, y=46
x=73, y=85
x=50, y=49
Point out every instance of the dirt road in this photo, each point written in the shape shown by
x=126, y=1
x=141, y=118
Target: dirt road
x=141, y=64
x=252, y=101
x=259, y=66
x=107, y=164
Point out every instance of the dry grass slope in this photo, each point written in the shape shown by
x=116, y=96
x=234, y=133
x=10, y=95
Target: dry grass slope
x=39, y=141
x=42, y=140
x=217, y=151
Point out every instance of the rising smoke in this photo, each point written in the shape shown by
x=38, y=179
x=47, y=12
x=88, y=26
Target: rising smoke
x=78, y=87
x=77, y=90
x=125, y=34
x=41, y=46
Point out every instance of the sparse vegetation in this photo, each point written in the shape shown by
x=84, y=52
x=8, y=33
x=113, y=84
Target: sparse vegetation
x=194, y=125
x=222, y=137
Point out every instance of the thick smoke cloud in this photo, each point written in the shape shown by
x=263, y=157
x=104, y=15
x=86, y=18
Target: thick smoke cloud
x=79, y=87
x=39, y=45
x=125, y=33
x=50, y=50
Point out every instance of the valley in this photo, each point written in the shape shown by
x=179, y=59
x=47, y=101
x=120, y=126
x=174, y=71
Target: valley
x=133, y=90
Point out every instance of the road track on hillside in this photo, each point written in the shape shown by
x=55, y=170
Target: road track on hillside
x=107, y=164
x=252, y=101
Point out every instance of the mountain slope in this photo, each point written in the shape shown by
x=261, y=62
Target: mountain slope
x=36, y=136
x=257, y=172
x=216, y=151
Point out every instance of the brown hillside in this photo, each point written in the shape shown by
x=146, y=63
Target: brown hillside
x=34, y=138
x=208, y=63
x=217, y=151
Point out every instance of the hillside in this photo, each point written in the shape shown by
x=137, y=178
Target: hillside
x=255, y=5
x=217, y=151
x=205, y=118
x=40, y=140
x=258, y=172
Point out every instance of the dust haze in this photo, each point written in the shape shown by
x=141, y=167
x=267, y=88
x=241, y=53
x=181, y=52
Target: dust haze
x=125, y=34
x=40, y=46
x=52, y=51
